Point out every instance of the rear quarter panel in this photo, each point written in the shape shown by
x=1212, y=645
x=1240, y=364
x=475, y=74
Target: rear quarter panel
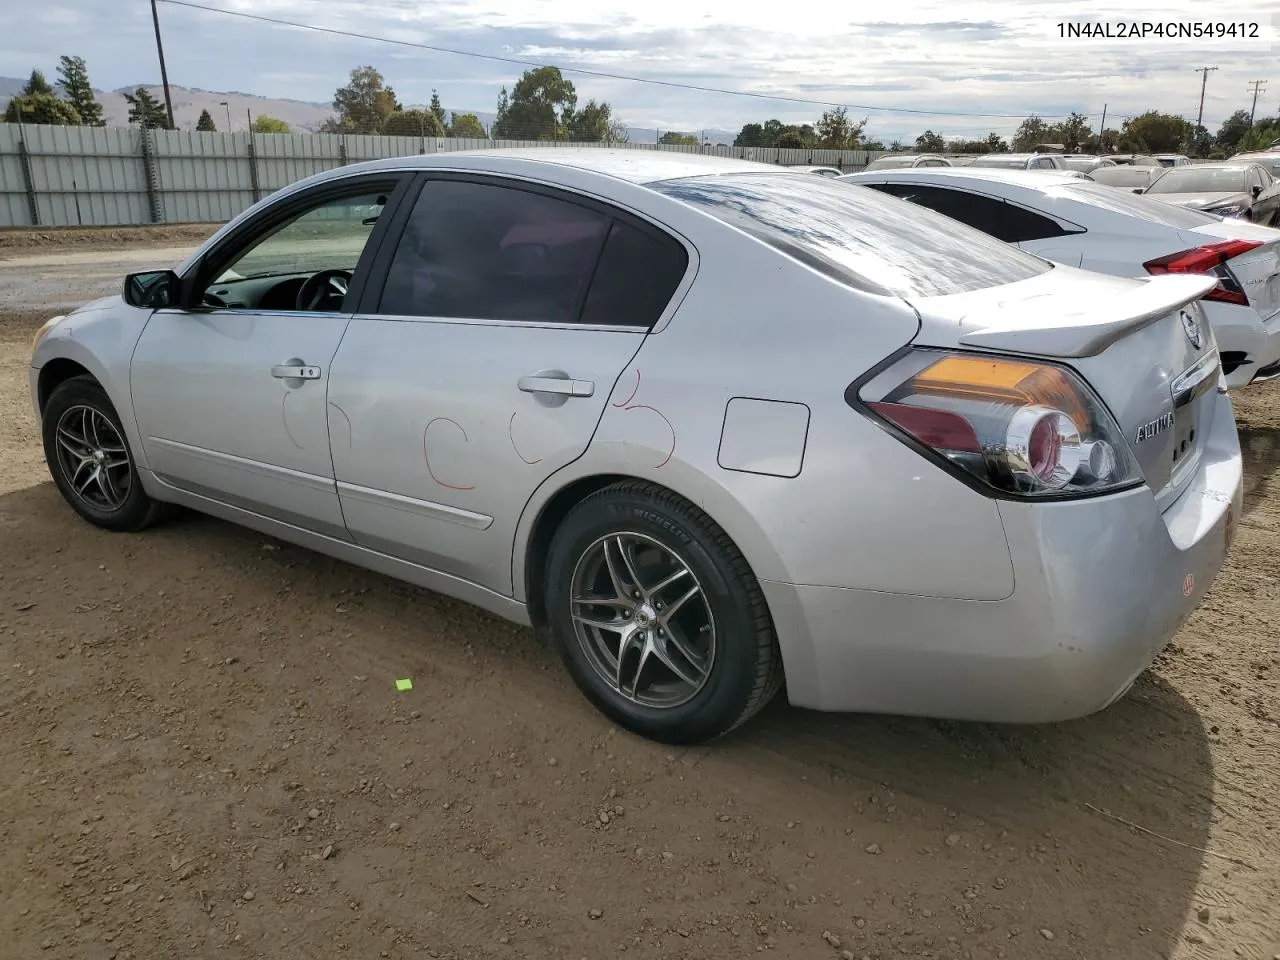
x=864, y=510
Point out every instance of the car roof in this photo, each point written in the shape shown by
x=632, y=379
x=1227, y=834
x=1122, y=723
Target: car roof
x=635, y=166
x=1021, y=178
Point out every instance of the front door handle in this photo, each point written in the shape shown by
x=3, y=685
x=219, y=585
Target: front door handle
x=295, y=371
x=559, y=385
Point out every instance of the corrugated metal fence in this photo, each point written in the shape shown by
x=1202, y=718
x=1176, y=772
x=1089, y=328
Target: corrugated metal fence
x=115, y=176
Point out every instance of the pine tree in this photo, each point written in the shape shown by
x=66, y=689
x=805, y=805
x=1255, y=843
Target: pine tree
x=36, y=84
x=205, y=124
x=146, y=110
x=437, y=109
x=74, y=77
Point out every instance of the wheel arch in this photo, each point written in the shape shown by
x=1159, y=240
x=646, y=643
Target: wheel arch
x=55, y=373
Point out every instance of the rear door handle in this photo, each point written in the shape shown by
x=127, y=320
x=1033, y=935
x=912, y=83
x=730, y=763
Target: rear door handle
x=295, y=371
x=559, y=385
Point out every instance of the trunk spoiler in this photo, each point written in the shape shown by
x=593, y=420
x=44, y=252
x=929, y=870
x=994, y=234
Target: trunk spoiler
x=1077, y=334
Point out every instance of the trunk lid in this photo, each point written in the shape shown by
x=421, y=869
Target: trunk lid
x=1143, y=346
x=1258, y=270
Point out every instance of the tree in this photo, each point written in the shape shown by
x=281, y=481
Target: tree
x=36, y=84
x=412, y=123
x=1260, y=136
x=1155, y=132
x=594, y=122
x=1071, y=133
x=837, y=132
x=41, y=108
x=437, y=109
x=791, y=139
x=363, y=105
x=205, y=124
x=265, y=124
x=466, y=126
x=74, y=77
x=146, y=111
x=540, y=106
x=1232, y=129
x=1031, y=131
x=1199, y=142
x=929, y=142
x=751, y=135
x=679, y=139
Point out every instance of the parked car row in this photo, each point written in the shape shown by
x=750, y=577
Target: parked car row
x=711, y=424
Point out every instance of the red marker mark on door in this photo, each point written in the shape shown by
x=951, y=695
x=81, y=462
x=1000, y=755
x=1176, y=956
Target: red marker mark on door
x=1188, y=584
x=426, y=454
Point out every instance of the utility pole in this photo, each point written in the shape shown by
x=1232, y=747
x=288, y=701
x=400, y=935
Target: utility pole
x=249, y=115
x=224, y=103
x=1258, y=85
x=1204, y=71
x=1102, y=131
x=164, y=74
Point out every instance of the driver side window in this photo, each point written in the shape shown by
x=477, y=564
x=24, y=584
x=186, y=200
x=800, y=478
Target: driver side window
x=304, y=263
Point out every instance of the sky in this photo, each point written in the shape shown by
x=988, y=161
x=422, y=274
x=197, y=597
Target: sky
x=882, y=60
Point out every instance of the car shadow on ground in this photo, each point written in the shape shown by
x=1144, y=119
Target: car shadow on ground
x=1260, y=447
x=1054, y=792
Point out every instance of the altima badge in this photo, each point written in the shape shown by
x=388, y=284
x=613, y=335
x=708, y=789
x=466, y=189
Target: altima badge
x=1149, y=430
x=1190, y=328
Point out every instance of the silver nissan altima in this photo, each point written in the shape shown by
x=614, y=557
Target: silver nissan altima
x=714, y=425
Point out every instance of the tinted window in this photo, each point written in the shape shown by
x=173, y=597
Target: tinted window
x=1133, y=205
x=890, y=163
x=857, y=236
x=1001, y=220
x=637, y=274
x=480, y=250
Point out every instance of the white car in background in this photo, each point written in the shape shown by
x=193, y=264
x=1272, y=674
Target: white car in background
x=1173, y=160
x=1083, y=224
x=1135, y=179
x=1020, y=161
x=1266, y=158
x=894, y=161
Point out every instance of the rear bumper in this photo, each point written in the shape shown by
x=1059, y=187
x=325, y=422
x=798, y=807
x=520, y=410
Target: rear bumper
x=1241, y=329
x=1102, y=585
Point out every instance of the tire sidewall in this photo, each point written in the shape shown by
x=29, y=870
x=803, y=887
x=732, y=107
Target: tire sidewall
x=88, y=393
x=719, y=704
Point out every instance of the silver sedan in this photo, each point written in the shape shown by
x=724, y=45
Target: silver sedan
x=712, y=424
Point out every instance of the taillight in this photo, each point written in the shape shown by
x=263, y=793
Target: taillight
x=1210, y=259
x=1025, y=428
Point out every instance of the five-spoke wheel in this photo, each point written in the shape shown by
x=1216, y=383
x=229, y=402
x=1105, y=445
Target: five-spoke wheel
x=658, y=616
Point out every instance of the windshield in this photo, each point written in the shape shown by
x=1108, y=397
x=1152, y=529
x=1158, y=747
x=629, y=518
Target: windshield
x=1200, y=180
x=856, y=235
x=1083, y=164
x=890, y=163
x=1130, y=204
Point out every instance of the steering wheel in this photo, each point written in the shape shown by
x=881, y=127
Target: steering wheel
x=322, y=290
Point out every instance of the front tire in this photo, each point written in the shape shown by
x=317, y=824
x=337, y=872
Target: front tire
x=90, y=460
x=658, y=617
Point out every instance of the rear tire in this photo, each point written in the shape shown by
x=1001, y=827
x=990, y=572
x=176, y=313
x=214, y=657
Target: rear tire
x=638, y=575
x=89, y=458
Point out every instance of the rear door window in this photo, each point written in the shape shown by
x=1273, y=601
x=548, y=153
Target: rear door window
x=638, y=272
x=487, y=251
x=857, y=236
x=1004, y=221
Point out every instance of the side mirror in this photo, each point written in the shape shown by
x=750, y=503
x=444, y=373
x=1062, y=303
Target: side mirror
x=1138, y=189
x=1256, y=189
x=152, y=290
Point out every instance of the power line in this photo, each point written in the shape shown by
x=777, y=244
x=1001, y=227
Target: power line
x=351, y=34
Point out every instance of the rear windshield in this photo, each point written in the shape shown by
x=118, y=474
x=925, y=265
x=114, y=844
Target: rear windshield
x=1002, y=163
x=858, y=236
x=1200, y=180
x=1134, y=205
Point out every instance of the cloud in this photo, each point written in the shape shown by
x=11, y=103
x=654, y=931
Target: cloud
x=953, y=56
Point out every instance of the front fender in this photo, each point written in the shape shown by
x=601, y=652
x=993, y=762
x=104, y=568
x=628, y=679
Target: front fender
x=101, y=341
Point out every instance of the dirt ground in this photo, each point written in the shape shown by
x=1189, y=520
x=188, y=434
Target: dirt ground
x=204, y=754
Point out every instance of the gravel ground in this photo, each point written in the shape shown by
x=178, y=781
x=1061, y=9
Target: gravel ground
x=204, y=755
